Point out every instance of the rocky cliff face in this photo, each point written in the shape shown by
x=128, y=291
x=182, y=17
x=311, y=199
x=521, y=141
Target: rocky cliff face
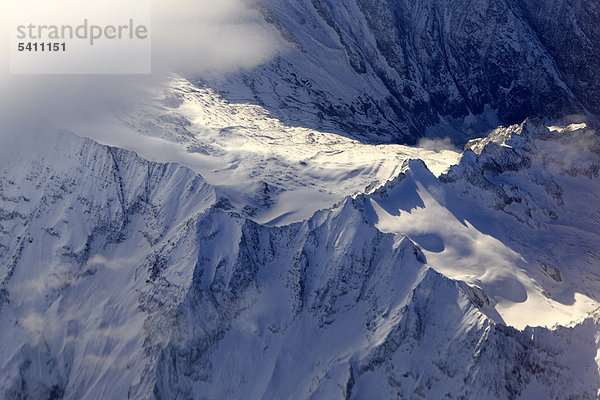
x=388, y=71
x=568, y=30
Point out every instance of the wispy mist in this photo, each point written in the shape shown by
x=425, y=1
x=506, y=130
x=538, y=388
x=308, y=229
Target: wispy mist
x=437, y=144
x=188, y=37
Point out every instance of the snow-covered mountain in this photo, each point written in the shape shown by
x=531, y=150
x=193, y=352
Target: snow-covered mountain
x=256, y=234
x=128, y=278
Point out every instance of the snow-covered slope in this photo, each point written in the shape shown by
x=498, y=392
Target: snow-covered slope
x=77, y=219
x=128, y=278
x=518, y=217
x=273, y=172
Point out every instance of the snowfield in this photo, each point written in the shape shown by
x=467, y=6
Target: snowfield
x=254, y=158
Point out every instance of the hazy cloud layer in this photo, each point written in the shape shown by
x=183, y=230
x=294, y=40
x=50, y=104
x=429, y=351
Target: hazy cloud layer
x=188, y=37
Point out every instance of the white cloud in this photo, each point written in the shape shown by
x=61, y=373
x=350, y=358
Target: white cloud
x=437, y=144
x=188, y=37
x=196, y=36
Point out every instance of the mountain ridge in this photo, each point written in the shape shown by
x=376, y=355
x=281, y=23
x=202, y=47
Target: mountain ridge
x=216, y=291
